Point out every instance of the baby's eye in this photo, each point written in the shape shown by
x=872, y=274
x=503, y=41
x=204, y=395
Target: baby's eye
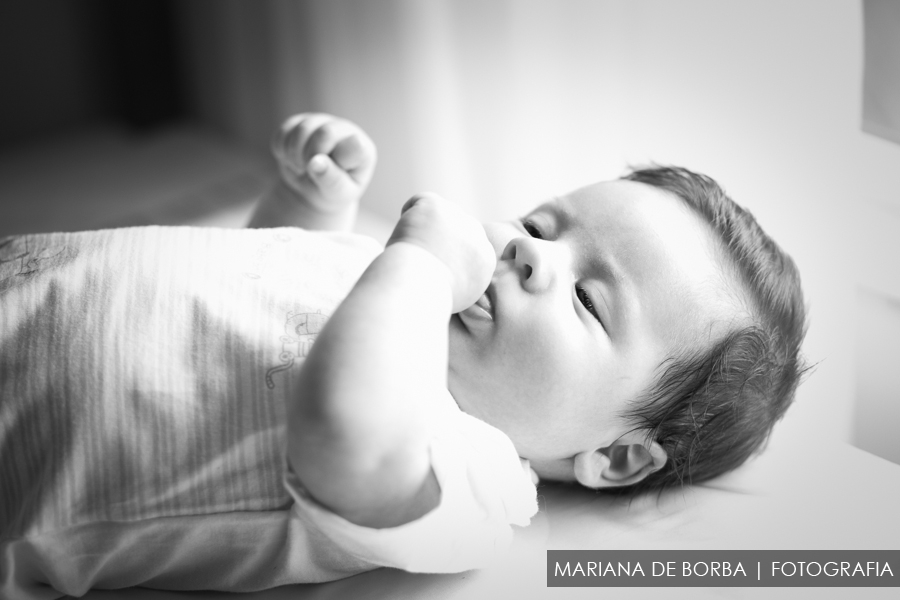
x=531, y=230
x=586, y=301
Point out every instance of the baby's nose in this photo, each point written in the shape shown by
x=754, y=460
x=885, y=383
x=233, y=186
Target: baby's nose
x=526, y=256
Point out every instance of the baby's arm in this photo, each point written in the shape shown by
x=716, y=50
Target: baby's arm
x=358, y=438
x=325, y=164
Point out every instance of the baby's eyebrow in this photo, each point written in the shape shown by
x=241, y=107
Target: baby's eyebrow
x=554, y=208
x=617, y=297
x=569, y=220
x=600, y=266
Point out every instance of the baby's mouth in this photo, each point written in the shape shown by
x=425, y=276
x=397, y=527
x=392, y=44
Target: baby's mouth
x=485, y=304
x=483, y=309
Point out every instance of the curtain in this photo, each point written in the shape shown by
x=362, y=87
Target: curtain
x=497, y=105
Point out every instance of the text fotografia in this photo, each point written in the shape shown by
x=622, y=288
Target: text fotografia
x=723, y=568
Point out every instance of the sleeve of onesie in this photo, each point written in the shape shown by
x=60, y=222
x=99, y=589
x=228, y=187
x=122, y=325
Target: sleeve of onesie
x=485, y=489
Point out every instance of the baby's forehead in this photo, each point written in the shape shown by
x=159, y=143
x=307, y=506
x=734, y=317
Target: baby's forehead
x=654, y=236
x=618, y=201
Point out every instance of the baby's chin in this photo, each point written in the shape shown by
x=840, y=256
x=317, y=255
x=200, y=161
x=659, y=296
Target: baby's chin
x=465, y=394
x=456, y=388
x=459, y=360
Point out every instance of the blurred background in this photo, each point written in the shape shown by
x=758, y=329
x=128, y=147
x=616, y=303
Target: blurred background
x=160, y=111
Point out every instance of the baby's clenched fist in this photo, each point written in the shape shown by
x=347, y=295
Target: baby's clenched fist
x=455, y=238
x=326, y=160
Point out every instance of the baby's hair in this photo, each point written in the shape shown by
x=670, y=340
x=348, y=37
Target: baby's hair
x=711, y=409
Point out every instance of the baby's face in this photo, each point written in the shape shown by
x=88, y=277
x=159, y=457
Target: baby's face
x=592, y=292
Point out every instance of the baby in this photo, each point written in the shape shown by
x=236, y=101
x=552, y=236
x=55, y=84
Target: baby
x=630, y=335
x=639, y=333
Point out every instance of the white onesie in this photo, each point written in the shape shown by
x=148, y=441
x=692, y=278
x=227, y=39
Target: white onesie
x=143, y=377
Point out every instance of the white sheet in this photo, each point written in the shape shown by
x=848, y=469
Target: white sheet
x=795, y=496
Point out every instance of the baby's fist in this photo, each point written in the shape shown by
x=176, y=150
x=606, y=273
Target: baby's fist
x=454, y=237
x=328, y=161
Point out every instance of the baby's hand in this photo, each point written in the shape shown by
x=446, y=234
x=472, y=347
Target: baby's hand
x=326, y=160
x=454, y=237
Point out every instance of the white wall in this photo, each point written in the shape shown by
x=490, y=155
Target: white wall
x=877, y=411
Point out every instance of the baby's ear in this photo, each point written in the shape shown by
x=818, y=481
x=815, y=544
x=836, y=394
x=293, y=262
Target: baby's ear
x=626, y=461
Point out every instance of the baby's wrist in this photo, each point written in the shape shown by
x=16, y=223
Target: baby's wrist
x=292, y=193
x=424, y=265
x=418, y=254
x=283, y=207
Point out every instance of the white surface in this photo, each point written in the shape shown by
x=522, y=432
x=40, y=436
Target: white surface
x=797, y=495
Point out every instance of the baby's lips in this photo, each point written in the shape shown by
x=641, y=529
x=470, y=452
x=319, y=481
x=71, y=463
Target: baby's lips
x=486, y=302
x=482, y=310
